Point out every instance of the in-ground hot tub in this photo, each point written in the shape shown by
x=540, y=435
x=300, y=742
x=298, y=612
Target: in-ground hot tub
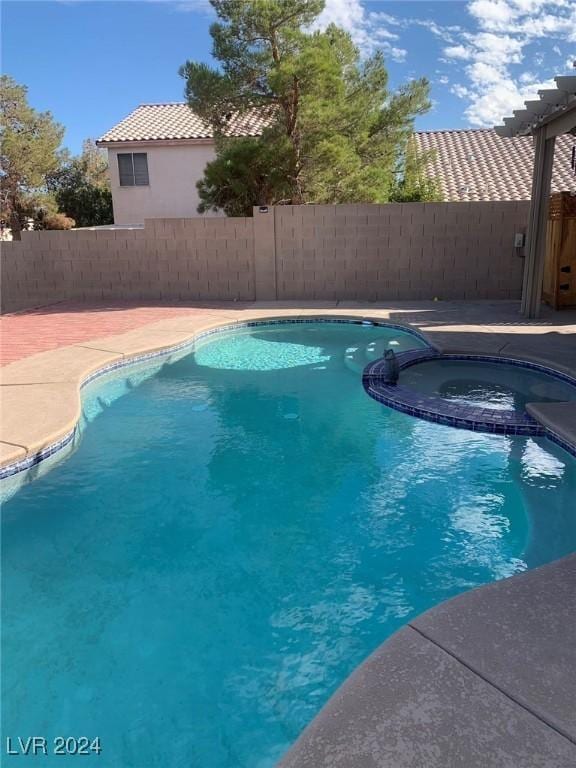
x=483, y=384
x=478, y=392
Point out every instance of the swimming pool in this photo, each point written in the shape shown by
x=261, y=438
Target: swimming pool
x=237, y=533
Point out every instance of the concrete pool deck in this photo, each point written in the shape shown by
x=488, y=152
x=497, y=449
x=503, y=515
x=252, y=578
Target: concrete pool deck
x=485, y=680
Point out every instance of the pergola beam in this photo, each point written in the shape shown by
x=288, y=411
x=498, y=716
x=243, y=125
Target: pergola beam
x=561, y=123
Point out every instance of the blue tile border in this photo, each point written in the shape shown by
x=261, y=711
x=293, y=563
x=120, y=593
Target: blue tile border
x=441, y=411
x=28, y=462
x=31, y=461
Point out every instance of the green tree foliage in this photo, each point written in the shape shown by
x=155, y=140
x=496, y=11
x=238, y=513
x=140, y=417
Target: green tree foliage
x=247, y=173
x=82, y=189
x=335, y=132
x=414, y=182
x=30, y=142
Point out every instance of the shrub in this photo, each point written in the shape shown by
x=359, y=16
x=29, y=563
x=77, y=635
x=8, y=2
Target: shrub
x=58, y=221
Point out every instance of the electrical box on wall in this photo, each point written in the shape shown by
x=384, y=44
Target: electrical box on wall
x=519, y=240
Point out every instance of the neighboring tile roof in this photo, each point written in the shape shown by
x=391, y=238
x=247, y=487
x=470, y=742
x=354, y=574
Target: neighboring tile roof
x=479, y=165
x=157, y=122
x=469, y=164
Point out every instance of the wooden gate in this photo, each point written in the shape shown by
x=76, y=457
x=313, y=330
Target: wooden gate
x=559, y=287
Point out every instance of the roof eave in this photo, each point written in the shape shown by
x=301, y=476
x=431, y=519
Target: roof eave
x=124, y=143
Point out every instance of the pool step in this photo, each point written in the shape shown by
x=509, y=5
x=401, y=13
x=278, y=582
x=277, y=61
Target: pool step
x=355, y=359
x=375, y=350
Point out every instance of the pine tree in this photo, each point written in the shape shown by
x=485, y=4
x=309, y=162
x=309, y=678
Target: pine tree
x=30, y=142
x=414, y=182
x=81, y=187
x=334, y=131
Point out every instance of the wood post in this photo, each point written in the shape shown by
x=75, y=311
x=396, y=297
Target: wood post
x=537, y=223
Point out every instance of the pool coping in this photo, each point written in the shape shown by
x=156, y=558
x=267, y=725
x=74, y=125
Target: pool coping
x=53, y=381
x=483, y=680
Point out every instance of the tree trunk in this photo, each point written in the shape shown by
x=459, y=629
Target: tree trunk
x=296, y=142
x=15, y=225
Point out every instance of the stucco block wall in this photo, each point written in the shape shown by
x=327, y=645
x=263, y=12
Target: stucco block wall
x=173, y=171
x=169, y=259
x=399, y=251
x=358, y=252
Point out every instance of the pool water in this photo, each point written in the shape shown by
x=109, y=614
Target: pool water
x=487, y=385
x=236, y=534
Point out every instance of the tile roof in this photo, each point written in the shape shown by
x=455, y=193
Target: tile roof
x=479, y=165
x=157, y=122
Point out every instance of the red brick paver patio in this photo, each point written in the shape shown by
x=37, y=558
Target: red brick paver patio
x=59, y=325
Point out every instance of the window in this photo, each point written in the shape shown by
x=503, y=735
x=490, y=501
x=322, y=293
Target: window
x=133, y=169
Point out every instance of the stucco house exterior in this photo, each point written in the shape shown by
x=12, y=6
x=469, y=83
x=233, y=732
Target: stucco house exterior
x=158, y=153
x=155, y=157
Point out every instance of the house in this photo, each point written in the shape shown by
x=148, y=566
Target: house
x=479, y=165
x=157, y=154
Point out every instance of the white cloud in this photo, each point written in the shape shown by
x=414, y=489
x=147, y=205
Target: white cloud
x=460, y=90
x=348, y=15
x=500, y=99
x=504, y=30
x=502, y=57
x=368, y=30
x=487, y=74
x=445, y=33
x=497, y=49
x=495, y=14
x=394, y=53
x=377, y=29
x=530, y=17
x=458, y=52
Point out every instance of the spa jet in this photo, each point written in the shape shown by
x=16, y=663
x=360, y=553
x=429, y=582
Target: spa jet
x=391, y=368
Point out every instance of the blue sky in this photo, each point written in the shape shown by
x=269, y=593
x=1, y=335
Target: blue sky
x=90, y=63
